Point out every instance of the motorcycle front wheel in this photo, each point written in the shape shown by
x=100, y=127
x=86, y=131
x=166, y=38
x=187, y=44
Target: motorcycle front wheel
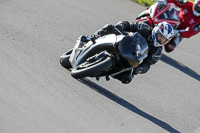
x=92, y=68
x=64, y=59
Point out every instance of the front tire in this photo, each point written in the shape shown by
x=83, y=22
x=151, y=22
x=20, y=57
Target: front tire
x=92, y=69
x=64, y=59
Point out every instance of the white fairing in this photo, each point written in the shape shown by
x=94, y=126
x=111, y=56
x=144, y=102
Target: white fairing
x=78, y=48
x=152, y=9
x=160, y=12
x=108, y=39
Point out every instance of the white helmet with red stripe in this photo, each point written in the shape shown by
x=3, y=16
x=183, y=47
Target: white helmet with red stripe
x=196, y=8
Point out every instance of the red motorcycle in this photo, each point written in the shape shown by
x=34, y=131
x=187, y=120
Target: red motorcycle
x=159, y=12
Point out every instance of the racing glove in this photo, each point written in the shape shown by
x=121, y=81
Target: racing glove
x=125, y=77
x=107, y=29
x=169, y=47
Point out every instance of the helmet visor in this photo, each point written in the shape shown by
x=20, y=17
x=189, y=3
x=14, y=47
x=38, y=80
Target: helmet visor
x=197, y=8
x=161, y=39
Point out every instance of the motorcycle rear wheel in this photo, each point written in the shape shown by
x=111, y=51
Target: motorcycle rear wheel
x=91, y=69
x=64, y=59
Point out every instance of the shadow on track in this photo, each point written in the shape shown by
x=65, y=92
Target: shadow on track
x=180, y=67
x=127, y=105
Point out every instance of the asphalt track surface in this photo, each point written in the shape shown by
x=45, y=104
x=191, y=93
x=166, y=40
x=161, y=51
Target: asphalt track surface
x=37, y=95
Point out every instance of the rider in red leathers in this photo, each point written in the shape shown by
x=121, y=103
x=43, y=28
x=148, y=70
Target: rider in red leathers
x=190, y=21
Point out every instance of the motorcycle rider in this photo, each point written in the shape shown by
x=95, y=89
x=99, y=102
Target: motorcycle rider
x=156, y=37
x=190, y=21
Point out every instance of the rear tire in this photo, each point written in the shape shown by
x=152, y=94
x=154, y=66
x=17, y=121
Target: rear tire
x=87, y=69
x=64, y=59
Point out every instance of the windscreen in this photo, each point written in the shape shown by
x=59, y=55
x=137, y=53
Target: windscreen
x=172, y=13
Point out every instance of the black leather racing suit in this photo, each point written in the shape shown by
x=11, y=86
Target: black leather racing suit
x=145, y=30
